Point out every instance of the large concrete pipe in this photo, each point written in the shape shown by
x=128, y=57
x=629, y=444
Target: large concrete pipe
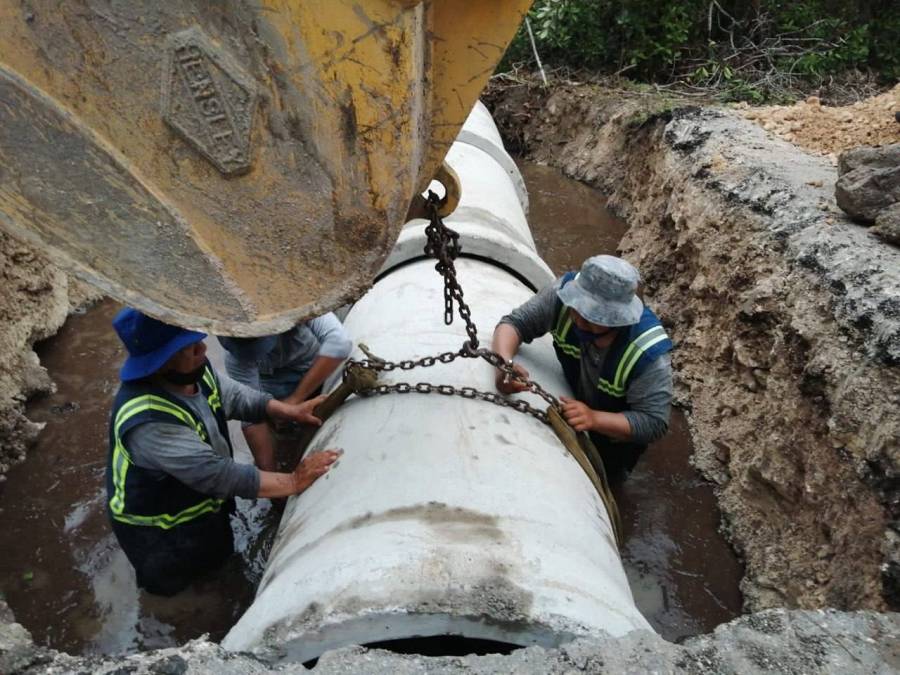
x=445, y=516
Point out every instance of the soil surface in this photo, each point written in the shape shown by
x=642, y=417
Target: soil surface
x=775, y=641
x=828, y=130
x=786, y=321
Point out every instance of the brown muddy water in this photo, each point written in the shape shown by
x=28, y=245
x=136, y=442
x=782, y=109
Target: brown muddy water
x=68, y=582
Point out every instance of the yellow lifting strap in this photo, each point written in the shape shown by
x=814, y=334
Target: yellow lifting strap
x=588, y=457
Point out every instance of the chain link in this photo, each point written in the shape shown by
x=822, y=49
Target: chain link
x=521, y=405
x=443, y=244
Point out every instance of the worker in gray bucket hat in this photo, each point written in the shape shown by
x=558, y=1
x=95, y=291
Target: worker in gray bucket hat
x=613, y=351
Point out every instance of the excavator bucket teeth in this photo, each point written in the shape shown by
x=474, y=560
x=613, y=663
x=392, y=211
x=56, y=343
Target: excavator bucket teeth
x=232, y=166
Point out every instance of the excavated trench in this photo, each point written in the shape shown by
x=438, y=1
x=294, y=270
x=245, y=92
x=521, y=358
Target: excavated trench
x=786, y=319
x=71, y=586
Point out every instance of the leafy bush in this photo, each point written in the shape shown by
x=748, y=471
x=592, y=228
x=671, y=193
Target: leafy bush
x=753, y=48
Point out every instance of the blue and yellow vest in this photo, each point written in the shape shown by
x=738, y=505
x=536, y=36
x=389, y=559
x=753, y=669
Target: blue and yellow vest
x=634, y=348
x=146, y=497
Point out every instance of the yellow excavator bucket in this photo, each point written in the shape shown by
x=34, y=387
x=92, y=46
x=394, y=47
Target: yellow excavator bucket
x=232, y=166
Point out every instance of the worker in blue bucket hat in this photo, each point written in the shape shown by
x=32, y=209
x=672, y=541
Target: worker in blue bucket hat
x=171, y=478
x=613, y=351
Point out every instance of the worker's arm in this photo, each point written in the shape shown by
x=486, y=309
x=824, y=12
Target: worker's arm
x=526, y=322
x=272, y=484
x=177, y=450
x=334, y=346
x=649, y=399
x=506, y=343
x=581, y=417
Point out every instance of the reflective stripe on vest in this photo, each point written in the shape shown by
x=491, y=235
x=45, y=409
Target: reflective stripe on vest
x=214, y=400
x=561, y=332
x=121, y=461
x=630, y=357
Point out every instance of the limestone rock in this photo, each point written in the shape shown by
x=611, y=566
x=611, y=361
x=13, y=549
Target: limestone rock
x=887, y=224
x=875, y=157
x=869, y=181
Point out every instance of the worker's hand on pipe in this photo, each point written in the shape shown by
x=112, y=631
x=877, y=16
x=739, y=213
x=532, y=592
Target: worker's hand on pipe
x=507, y=385
x=295, y=412
x=579, y=415
x=314, y=465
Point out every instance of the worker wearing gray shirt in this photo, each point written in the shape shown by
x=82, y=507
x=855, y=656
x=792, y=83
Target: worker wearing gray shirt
x=291, y=366
x=613, y=351
x=171, y=479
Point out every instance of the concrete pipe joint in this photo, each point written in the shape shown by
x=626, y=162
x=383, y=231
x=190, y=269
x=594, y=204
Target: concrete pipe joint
x=446, y=516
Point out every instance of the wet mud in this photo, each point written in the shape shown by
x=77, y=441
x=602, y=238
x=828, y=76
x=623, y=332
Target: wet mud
x=69, y=583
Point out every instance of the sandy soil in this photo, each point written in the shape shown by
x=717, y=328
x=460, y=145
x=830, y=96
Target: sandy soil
x=829, y=130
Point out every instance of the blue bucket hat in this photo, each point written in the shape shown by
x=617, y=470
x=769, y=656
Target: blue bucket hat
x=604, y=292
x=150, y=342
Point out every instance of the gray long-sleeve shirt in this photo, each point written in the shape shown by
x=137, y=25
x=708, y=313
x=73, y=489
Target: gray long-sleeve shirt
x=177, y=450
x=648, y=395
x=292, y=354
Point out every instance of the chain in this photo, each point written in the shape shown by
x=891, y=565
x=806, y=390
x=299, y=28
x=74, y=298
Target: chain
x=520, y=405
x=443, y=244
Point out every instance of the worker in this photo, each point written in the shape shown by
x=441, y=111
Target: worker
x=290, y=366
x=171, y=478
x=613, y=351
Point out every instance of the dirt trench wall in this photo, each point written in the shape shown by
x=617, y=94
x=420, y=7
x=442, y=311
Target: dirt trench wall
x=35, y=299
x=786, y=319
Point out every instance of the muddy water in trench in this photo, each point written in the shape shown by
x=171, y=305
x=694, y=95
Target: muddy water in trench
x=61, y=571
x=71, y=586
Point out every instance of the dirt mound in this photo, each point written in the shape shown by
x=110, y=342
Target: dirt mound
x=829, y=130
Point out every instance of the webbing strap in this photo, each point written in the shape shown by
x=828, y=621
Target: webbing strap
x=588, y=457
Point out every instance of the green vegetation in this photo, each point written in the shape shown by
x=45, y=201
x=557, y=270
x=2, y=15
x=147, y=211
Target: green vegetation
x=751, y=50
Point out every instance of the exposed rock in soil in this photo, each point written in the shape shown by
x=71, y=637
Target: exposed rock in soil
x=786, y=318
x=35, y=298
x=775, y=641
x=887, y=224
x=869, y=181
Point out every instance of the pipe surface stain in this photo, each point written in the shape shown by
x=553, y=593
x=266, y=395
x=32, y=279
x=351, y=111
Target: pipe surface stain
x=69, y=584
x=684, y=576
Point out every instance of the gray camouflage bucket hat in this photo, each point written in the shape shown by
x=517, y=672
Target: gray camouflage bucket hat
x=603, y=292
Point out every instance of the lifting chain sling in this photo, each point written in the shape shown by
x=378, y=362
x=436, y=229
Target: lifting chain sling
x=443, y=245
x=361, y=376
